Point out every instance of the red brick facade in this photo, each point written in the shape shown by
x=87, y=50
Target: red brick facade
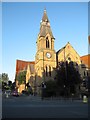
x=22, y=65
x=86, y=60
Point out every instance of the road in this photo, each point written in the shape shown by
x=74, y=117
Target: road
x=34, y=107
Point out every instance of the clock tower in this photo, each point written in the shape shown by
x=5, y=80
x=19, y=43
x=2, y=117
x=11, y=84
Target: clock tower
x=45, y=58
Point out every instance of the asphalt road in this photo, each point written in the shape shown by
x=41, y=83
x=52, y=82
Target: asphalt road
x=33, y=107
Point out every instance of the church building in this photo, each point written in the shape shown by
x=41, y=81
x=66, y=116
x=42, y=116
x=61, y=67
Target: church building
x=46, y=58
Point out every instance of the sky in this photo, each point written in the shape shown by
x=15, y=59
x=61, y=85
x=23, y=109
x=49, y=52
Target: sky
x=0, y=38
x=21, y=25
x=45, y=0
x=89, y=26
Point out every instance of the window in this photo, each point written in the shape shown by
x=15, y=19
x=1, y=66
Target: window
x=49, y=71
x=69, y=58
x=46, y=71
x=84, y=73
x=47, y=43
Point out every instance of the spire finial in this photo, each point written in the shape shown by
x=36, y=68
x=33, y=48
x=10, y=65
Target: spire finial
x=45, y=9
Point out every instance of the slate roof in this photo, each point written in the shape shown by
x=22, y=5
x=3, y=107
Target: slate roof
x=45, y=17
x=45, y=26
x=45, y=30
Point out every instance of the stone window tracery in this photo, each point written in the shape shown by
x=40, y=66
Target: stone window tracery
x=47, y=43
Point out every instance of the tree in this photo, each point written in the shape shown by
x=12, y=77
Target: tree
x=5, y=77
x=4, y=86
x=50, y=89
x=61, y=78
x=9, y=84
x=74, y=78
x=29, y=88
x=68, y=78
x=21, y=77
x=13, y=86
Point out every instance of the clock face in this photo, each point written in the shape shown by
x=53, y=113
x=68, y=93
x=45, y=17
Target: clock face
x=48, y=55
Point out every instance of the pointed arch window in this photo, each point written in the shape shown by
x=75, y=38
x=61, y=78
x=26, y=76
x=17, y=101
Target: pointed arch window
x=69, y=59
x=47, y=43
x=84, y=73
x=46, y=71
x=49, y=71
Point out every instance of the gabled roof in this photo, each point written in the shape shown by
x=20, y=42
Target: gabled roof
x=60, y=50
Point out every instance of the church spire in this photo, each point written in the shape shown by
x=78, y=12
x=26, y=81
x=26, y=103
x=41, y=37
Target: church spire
x=45, y=26
x=45, y=17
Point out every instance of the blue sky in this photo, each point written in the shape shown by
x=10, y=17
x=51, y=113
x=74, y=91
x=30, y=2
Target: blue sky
x=21, y=24
x=0, y=38
x=89, y=25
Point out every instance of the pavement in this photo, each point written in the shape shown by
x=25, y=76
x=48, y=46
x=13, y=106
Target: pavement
x=34, y=107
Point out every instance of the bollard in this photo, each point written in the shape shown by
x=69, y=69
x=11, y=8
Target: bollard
x=85, y=100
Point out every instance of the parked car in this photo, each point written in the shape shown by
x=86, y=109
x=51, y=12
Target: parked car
x=15, y=93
